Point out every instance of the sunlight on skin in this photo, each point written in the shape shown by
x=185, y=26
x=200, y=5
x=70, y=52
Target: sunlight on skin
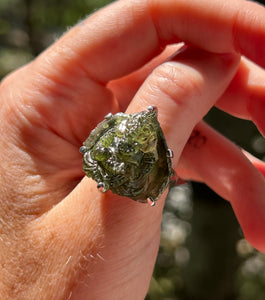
x=63, y=238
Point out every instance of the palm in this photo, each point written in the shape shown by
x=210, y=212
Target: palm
x=52, y=120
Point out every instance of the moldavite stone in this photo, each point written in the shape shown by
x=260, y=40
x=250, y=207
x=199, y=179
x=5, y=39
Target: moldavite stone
x=128, y=154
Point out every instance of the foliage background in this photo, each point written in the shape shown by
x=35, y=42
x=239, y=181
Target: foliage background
x=203, y=254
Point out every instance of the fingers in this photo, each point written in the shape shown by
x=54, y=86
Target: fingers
x=73, y=72
x=184, y=90
x=127, y=231
x=245, y=95
x=259, y=164
x=126, y=87
x=223, y=26
x=216, y=161
x=244, y=98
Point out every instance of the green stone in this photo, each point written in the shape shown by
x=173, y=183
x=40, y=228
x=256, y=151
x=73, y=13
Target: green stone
x=128, y=154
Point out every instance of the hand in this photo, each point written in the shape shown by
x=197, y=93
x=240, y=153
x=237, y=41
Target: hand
x=60, y=237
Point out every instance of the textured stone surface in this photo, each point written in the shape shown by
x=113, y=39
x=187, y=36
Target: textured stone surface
x=127, y=154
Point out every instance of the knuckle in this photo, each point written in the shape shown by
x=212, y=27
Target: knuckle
x=177, y=81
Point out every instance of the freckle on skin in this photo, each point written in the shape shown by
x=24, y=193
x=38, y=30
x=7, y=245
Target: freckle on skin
x=197, y=139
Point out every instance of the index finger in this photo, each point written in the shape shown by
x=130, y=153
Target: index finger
x=125, y=35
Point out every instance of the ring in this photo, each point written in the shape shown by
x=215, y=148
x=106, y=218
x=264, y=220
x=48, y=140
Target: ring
x=128, y=154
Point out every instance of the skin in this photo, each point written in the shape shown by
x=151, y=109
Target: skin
x=60, y=237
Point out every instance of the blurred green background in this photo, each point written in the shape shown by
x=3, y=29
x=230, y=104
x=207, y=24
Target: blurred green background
x=203, y=254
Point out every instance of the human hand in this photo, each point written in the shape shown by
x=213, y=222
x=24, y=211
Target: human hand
x=60, y=237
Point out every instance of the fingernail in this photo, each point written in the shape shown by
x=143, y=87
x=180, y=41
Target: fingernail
x=179, y=51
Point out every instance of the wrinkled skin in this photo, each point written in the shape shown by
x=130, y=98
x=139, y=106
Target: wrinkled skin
x=60, y=237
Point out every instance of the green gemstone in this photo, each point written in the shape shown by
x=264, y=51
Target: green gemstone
x=128, y=154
